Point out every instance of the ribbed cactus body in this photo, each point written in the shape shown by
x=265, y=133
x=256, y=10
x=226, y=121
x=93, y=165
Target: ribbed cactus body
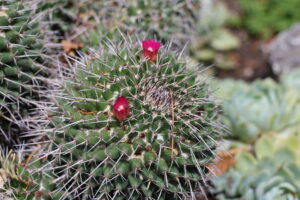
x=21, y=73
x=158, y=151
x=60, y=15
x=164, y=20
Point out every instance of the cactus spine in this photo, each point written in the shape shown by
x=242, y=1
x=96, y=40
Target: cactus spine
x=164, y=20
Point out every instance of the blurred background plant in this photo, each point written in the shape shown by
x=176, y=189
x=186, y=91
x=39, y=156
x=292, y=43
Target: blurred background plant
x=211, y=40
x=261, y=107
x=264, y=120
x=268, y=17
x=163, y=20
x=269, y=171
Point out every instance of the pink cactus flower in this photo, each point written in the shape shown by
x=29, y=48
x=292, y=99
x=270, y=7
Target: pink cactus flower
x=121, y=108
x=150, y=49
x=38, y=194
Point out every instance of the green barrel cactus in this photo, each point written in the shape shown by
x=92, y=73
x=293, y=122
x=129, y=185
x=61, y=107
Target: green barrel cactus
x=60, y=15
x=131, y=125
x=160, y=19
x=22, y=75
x=271, y=173
x=164, y=20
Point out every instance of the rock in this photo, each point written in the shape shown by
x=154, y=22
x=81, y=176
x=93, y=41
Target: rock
x=284, y=50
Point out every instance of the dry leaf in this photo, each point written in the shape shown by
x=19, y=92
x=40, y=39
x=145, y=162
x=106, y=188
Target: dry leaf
x=86, y=15
x=221, y=164
x=3, y=14
x=69, y=47
x=224, y=162
x=3, y=178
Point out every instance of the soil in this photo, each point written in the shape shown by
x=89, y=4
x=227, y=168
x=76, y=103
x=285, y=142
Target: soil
x=250, y=61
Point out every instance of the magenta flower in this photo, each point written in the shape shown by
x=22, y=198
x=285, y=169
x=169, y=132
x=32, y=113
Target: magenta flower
x=150, y=49
x=121, y=108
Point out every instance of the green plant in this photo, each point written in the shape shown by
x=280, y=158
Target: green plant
x=270, y=173
x=66, y=16
x=11, y=177
x=264, y=18
x=60, y=15
x=163, y=20
x=22, y=75
x=291, y=80
x=212, y=41
x=158, y=151
x=259, y=108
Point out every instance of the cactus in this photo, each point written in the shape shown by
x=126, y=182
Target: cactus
x=164, y=20
x=130, y=127
x=60, y=15
x=270, y=173
x=14, y=178
x=22, y=75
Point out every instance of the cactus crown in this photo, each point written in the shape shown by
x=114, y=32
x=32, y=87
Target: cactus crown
x=157, y=151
